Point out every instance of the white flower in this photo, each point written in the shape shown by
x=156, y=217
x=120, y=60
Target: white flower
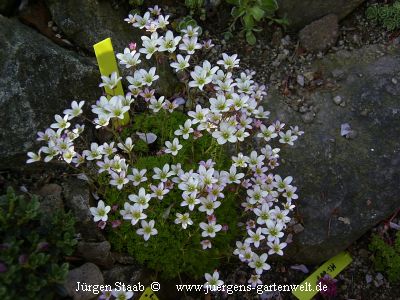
x=213, y=280
x=116, y=108
x=185, y=130
x=163, y=174
x=255, y=237
x=208, y=205
x=100, y=212
x=182, y=63
x=199, y=79
x=189, y=200
x=220, y=104
x=95, y=152
x=33, y=157
x=200, y=115
x=256, y=194
x=169, y=42
x=225, y=134
x=159, y=191
x=147, y=229
x=232, y=176
x=129, y=58
x=75, y=110
x=156, y=105
x=287, y=137
x=173, y=147
x=119, y=179
x=259, y=263
x=162, y=21
x=240, y=160
x=127, y=146
x=255, y=159
x=137, y=176
x=276, y=247
x=229, y=62
x=264, y=215
x=274, y=231
x=191, y=31
x=190, y=45
x=267, y=133
x=254, y=280
x=141, y=22
x=142, y=199
x=183, y=219
x=133, y=213
x=149, y=76
x=61, y=122
x=150, y=45
x=289, y=194
x=280, y=184
x=110, y=82
x=259, y=113
x=209, y=229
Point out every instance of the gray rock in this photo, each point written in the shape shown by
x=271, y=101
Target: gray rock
x=86, y=23
x=89, y=22
x=39, y=80
x=50, y=199
x=126, y=274
x=88, y=273
x=77, y=199
x=301, y=13
x=339, y=177
x=320, y=35
x=97, y=253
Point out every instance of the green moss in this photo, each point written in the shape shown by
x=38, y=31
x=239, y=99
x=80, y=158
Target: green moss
x=387, y=257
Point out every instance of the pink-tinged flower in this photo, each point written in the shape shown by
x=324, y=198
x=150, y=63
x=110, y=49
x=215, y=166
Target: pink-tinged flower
x=106, y=295
x=206, y=244
x=116, y=223
x=257, y=123
x=330, y=283
x=132, y=46
x=42, y=246
x=114, y=208
x=208, y=44
x=211, y=218
x=102, y=224
x=23, y=259
x=225, y=227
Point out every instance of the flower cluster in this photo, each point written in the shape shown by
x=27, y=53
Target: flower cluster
x=221, y=103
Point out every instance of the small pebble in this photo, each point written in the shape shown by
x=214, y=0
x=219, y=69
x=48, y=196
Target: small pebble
x=394, y=80
x=337, y=100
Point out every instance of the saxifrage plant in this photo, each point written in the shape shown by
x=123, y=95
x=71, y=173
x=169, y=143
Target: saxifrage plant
x=182, y=179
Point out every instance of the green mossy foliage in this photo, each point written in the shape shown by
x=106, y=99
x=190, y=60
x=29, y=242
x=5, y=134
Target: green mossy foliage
x=386, y=15
x=32, y=248
x=387, y=257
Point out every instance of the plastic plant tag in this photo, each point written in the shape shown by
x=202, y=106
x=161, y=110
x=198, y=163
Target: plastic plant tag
x=148, y=294
x=308, y=288
x=107, y=65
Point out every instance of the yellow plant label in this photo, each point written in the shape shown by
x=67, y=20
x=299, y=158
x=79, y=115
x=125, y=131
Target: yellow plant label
x=309, y=287
x=148, y=294
x=108, y=64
